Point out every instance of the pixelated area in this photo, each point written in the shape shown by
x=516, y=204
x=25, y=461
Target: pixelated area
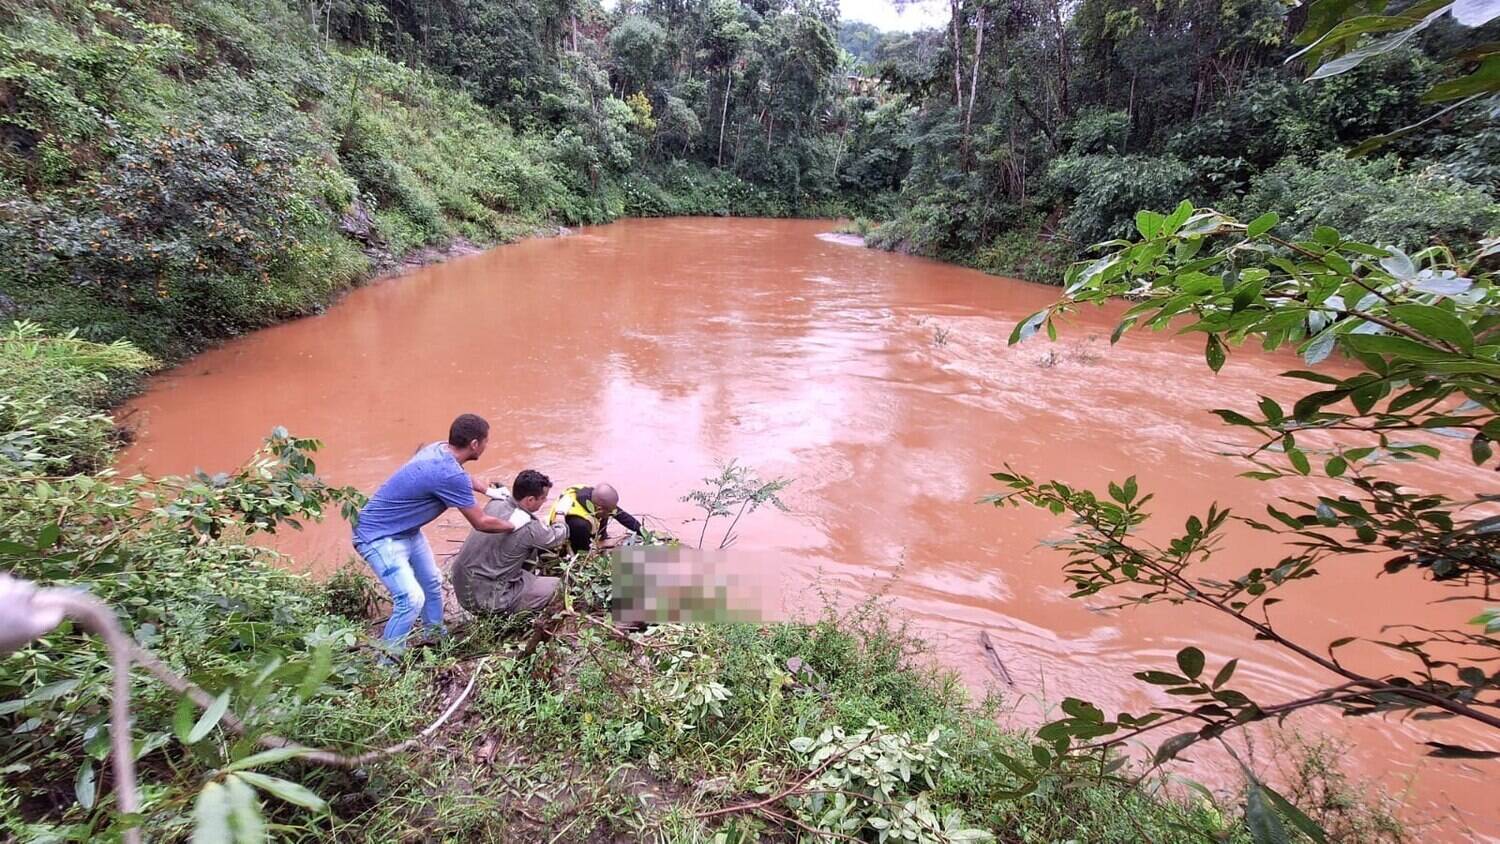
x=661, y=584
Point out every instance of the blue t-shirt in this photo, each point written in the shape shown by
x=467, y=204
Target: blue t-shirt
x=429, y=483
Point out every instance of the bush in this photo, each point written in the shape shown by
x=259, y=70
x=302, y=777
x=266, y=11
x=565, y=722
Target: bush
x=1373, y=200
x=1103, y=192
x=50, y=392
x=1028, y=252
x=1097, y=130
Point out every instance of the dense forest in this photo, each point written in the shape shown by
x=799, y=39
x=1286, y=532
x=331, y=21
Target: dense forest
x=174, y=172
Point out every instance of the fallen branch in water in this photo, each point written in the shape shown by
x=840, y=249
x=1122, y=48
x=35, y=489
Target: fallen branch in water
x=994, y=655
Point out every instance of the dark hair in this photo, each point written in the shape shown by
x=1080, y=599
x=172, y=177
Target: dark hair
x=466, y=429
x=528, y=483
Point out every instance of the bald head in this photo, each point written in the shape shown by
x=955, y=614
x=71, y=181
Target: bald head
x=606, y=497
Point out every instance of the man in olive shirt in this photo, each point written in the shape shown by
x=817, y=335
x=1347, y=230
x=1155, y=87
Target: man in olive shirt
x=488, y=573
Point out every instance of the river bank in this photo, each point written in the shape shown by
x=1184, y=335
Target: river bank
x=680, y=733
x=907, y=353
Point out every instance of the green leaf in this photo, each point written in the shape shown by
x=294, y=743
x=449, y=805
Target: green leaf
x=1480, y=449
x=1272, y=410
x=210, y=718
x=266, y=757
x=1027, y=327
x=1317, y=350
x=291, y=792
x=1148, y=223
x=1225, y=673
x=1398, y=347
x=1262, y=224
x=1299, y=461
x=85, y=786
x=1436, y=323
x=1174, y=221
x=244, y=812
x=1485, y=79
x=318, y=670
x=1335, y=467
x=1377, y=47
x=1214, y=353
x=1082, y=710
x=1235, y=418
x=52, y=691
x=1190, y=660
x=1307, y=826
x=1265, y=826
x=1160, y=678
x=48, y=537
x=211, y=816
x=1174, y=745
x=1326, y=516
x=182, y=719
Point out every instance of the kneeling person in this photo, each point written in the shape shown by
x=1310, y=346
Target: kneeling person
x=488, y=573
x=586, y=510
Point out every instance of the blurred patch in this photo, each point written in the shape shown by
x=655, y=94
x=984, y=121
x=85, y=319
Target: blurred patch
x=662, y=584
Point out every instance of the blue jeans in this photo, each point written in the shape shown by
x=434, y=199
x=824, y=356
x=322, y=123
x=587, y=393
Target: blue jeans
x=404, y=563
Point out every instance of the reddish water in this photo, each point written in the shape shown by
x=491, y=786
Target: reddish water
x=642, y=352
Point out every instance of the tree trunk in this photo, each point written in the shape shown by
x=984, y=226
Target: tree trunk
x=724, y=114
x=1062, y=61
x=974, y=78
x=956, y=7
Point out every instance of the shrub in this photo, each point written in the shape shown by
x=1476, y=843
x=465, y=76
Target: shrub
x=1105, y=191
x=1028, y=252
x=1097, y=130
x=1373, y=200
x=50, y=388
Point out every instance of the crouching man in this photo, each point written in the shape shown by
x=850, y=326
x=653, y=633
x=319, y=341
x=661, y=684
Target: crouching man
x=489, y=574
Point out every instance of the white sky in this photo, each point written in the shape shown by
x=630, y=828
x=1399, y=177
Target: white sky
x=917, y=14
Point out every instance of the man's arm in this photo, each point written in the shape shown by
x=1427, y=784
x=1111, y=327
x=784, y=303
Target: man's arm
x=627, y=521
x=484, y=522
x=544, y=536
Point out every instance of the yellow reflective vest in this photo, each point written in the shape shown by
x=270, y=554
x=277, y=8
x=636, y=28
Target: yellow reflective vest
x=568, y=504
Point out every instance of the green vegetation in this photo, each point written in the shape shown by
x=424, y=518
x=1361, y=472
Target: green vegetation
x=173, y=172
x=178, y=172
x=1032, y=120
x=1419, y=332
x=596, y=733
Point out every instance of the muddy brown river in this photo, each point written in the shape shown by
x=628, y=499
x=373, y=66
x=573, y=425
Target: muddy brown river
x=643, y=352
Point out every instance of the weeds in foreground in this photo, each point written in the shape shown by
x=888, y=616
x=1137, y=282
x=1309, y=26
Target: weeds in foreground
x=1347, y=810
x=708, y=732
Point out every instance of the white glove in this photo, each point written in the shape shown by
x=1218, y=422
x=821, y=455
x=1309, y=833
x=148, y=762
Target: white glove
x=497, y=492
x=519, y=518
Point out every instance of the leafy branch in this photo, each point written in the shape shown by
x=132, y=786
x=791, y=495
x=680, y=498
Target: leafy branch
x=1423, y=331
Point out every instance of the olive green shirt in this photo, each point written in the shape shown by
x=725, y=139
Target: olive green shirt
x=487, y=571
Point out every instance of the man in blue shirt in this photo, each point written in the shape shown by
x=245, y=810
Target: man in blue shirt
x=389, y=533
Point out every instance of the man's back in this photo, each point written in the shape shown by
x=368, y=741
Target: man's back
x=426, y=485
x=487, y=571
